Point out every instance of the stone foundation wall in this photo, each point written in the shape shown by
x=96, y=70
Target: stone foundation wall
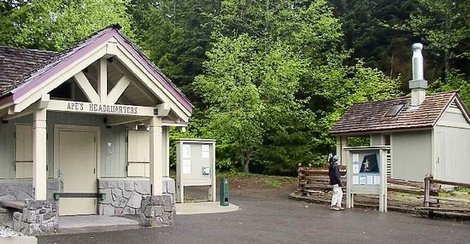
x=158, y=211
x=23, y=189
x=124, y=196
x=38, y=217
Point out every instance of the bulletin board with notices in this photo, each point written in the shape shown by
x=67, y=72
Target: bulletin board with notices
x=366, y=173
x=195, y=165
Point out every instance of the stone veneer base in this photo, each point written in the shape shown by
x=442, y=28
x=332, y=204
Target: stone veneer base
x=38, y=217
x=125, y=195
x=158, y=211
x=23, y=189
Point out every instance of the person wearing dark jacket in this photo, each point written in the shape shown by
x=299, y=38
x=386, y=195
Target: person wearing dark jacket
x=335, y=181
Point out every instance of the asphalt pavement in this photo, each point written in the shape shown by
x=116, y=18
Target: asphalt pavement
x=270, y=217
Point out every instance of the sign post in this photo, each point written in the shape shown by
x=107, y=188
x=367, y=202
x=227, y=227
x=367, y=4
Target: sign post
x=366, y=173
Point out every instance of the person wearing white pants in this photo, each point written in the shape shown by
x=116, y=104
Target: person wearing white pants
x=335, y=181
x=337, y=197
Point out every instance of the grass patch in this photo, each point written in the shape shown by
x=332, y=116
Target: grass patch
x=235, y=174
x=259, y=181
x=273, y=183
x=462, y=189
x=456, y=194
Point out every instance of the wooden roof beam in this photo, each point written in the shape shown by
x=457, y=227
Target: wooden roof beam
x=86, y=87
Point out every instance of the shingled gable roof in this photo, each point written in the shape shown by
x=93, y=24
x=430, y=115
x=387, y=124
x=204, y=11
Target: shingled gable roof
x=17, y=64
x=371, y=117
x=32, y=67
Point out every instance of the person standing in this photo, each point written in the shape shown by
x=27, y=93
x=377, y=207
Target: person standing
x=335, y=181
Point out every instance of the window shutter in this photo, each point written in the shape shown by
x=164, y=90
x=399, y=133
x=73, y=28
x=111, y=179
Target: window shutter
x=24, y=151
x=138, y=155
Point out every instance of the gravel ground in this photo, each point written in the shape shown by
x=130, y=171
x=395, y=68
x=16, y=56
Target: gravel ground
x=7, y=232
x=270, y=217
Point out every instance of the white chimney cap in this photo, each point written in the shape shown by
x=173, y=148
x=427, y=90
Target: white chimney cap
x=416, y=46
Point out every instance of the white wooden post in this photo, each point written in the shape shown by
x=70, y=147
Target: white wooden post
x=156, y=158
x=39, y=155
x=103, y=80
x=214, y=179
x=341, y=142
x=383, y=181
x=349, y=175
x=166, y=151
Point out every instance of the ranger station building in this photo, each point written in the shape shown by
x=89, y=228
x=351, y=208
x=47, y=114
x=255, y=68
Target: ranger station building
x=88, y=127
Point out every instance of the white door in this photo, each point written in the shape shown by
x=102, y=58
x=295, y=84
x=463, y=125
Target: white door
x=77, y=167
x=441, y=156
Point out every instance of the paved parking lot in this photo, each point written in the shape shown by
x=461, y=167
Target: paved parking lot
x=270, y=217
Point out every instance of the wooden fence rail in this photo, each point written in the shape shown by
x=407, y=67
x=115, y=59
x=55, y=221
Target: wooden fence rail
x=312, y=180
x=403, y=194
x=433, y=202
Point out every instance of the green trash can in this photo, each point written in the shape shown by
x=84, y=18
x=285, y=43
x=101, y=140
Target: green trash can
x=224, y=192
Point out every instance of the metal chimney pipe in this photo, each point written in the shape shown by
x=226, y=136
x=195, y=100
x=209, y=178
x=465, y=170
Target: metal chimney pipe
x=417, y=61
x=418, y=85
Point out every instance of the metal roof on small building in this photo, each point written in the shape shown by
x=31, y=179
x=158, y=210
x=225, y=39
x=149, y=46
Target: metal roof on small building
x=394, y=114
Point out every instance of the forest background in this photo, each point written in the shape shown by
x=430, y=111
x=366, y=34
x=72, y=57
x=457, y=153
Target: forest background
x=268, y=78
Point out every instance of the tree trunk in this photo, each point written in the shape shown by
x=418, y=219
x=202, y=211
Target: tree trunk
x=245, y=161
x=246, y=165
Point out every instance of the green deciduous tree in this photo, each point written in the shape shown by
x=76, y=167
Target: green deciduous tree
x=235, y=105
x=276, y=80
x=58, y=24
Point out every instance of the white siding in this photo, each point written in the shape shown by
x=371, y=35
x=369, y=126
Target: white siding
x=411, y=155
x=452, y=155
x=452, y=146
x=376, y=139
x=453, y=117
x=113, y=160
x=7, y=147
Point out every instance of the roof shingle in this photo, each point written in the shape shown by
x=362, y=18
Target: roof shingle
x=18, y=64
x=371, y=116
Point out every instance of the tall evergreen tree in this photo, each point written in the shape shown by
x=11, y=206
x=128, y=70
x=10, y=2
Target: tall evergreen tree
x=176, y=35
x=444, y=26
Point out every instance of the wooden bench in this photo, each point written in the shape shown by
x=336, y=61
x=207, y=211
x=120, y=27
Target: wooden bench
x=12, y=205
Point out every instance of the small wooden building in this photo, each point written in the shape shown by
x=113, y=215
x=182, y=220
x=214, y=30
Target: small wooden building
x=427, y=134
x=93, y=119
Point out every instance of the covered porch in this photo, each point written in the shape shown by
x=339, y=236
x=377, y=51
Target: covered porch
x=89, y=131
